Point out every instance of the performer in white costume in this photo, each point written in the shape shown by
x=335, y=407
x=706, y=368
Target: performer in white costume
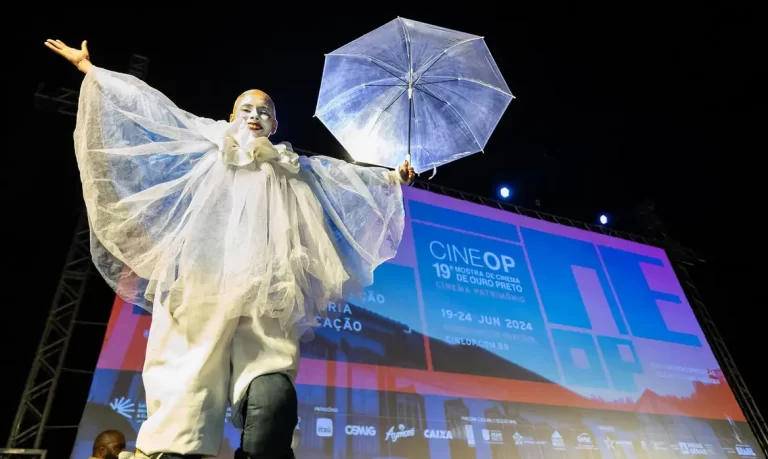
x=236, y=245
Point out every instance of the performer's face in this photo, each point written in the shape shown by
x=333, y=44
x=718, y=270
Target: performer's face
x=258, y=111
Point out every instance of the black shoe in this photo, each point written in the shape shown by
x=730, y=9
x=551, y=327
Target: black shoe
x=175, y=456
x=240, y=454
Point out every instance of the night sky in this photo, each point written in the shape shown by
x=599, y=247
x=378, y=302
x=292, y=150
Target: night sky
x=615, y=104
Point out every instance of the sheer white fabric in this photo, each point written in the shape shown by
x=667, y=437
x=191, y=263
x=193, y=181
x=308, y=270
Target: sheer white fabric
x=187, y=212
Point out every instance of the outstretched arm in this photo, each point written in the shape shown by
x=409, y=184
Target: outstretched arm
x=138, y=108
x=80, y=58
x=140, y=159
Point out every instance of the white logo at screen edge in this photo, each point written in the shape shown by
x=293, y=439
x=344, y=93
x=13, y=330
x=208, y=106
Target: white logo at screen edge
x=123, y=406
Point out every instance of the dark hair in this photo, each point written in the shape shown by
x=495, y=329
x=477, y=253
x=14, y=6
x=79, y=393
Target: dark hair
x=103, y=438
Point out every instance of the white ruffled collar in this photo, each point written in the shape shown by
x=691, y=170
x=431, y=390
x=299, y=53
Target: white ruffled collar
x=239, y=148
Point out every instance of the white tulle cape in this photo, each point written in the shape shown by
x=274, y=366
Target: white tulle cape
x=190, y=214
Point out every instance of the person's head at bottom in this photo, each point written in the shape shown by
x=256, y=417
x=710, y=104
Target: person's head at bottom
x=108, y=444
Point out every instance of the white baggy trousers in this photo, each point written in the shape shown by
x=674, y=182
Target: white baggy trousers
x=195, y=363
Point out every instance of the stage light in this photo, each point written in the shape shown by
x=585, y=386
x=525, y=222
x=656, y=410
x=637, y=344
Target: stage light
x=603, y=220
x=504, y=192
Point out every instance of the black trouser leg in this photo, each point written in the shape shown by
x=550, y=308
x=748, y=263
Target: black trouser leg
x=269, y=418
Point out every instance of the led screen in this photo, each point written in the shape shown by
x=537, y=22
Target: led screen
x=490, y=335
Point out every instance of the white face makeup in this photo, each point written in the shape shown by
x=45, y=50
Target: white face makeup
x=257, y=112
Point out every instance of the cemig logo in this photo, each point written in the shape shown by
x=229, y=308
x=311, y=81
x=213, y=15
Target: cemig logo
x=324, y=427
x=401, y=432
x=438, y=434
x=360, y=431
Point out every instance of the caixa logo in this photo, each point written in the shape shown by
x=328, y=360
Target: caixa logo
x=360, y=431
x=438, y=434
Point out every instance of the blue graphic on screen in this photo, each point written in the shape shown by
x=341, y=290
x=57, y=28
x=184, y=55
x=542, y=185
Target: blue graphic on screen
x=638, y=301
x=622, y=370
x=574, y=348
x=552, y=258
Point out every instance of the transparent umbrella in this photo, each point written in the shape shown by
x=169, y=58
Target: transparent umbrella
x=410, y=88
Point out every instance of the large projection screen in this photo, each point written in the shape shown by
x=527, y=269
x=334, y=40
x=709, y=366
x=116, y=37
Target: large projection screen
x=490, y=335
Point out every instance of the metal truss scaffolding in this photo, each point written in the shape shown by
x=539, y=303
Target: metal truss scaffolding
x=40, y=389
x=62, y=100
x=732, y=375
x=138, y=66
x=32, y=415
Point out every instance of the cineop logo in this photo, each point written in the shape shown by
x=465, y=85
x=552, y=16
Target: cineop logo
x=360, y=431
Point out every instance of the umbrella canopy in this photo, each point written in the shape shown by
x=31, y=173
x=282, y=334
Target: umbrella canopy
x=410, y=89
